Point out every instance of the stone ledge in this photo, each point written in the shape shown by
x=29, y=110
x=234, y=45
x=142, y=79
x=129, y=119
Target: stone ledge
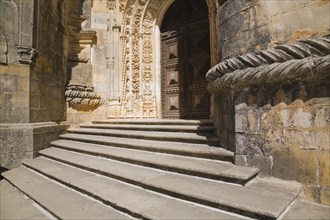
x=22, y=141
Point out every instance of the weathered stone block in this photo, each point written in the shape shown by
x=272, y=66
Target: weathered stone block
x=81, y=73
x=9, y=83
x=322, y=139
x=243, y=21
x=299, y=17
x=312, y=193
x=252, y=145
x=325, y=196
x=23, y=141
x=262, y=162
x=324, y=168
x=299, y=165
x=321, y=115
x=300, y=139
x=241, y=122
x=100, y=54
x=301, y=118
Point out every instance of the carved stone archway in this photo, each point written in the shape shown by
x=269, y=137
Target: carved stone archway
x=140, y=66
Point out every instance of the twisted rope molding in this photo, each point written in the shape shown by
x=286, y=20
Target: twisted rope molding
x=305, y=60
x=278, y=54
x=82, y=94
x=303, y=70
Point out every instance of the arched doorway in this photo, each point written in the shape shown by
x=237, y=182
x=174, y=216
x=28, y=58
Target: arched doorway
x=185, y=48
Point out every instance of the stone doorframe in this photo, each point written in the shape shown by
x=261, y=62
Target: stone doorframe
x=212, y=8
x=140, y=56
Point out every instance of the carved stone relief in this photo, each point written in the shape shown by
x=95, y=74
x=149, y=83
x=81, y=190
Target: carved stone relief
x=305, y=60
x=111, y=4
x=82, y=96
x=137, y=63
x=26, y=54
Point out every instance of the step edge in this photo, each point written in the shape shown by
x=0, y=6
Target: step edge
x=207, y=154
x=30, y=197
x=155, y=121
x=212, y=141
x=221, y=206
x=223, y=177
x=203, y=129
x=91, y=195
x=12, y=182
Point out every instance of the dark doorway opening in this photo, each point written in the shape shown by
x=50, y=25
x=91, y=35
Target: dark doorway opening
x=185, y=45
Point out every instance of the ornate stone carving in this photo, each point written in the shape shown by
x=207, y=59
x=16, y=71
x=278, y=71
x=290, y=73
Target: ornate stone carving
x=131, y=94
x=279, y=54
x=137, y=98
x=26, y=54
x=306, y=60
x=121, y=5
x=82, y=95
x=136, y=52
x=111, y=4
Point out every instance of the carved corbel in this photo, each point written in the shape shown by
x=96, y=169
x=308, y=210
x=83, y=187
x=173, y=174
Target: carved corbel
x=26, y=54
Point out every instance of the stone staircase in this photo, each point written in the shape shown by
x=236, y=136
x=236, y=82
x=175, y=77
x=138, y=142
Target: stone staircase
x=147, y=169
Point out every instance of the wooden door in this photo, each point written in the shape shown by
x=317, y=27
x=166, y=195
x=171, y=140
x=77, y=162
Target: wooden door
x=185, y=60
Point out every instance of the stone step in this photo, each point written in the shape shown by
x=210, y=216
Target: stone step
x=301, y=209
x=61, y=201
x=136, y=201
x=250, y=201
x=211, y=169
x=210, y=139
x=151, y=127
x=203, y=122
x=191, y=149
x=15, y=205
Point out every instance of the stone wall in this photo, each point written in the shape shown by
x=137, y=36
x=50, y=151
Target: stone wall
x=284, y=130
x=20, y=141
x=14, y=101
x=48, y=76
x=33, y=76
x=252, y=25
x=14, y=77
x=224, y=119
x=274, y=116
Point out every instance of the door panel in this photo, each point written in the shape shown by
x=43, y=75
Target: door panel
x=198, y=60
x=185, y=61
x=171, y=77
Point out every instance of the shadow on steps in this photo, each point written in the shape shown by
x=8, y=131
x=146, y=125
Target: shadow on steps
x=2, y=169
